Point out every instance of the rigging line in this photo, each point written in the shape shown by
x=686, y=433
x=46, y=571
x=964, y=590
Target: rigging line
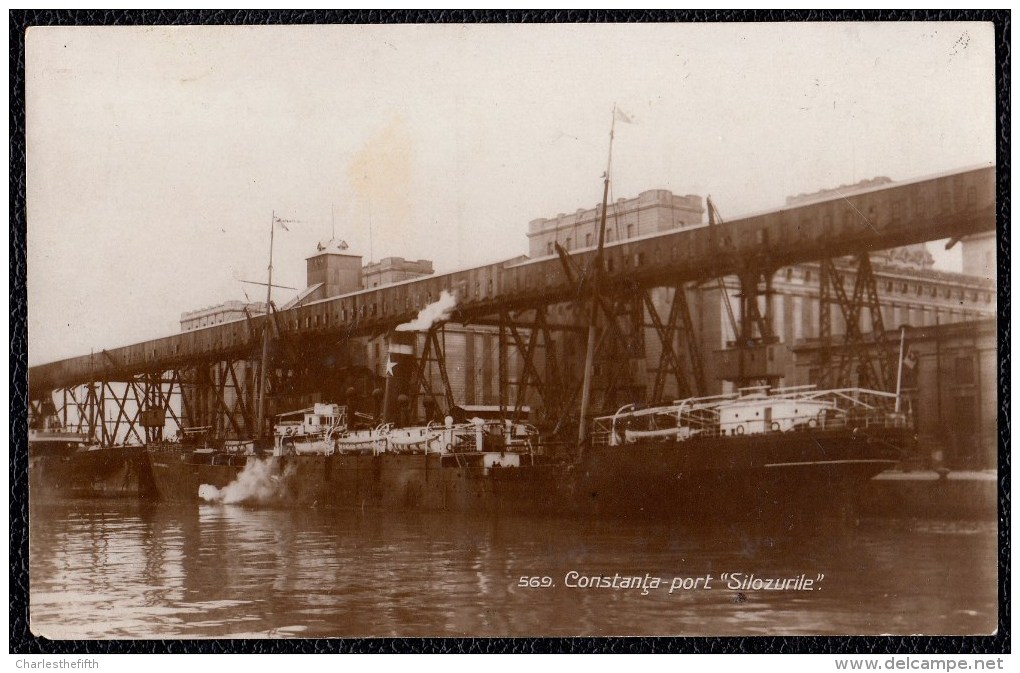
x=863, y=216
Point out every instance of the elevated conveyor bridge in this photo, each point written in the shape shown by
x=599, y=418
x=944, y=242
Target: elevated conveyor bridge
x=216, y=364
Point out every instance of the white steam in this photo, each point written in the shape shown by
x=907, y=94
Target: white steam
x=259, y=482
x=437, y=311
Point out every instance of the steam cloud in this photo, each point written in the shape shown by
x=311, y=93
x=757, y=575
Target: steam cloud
x=437, y=311
x=258, y=483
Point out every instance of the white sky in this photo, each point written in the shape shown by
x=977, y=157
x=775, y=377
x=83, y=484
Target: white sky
x=156, y=156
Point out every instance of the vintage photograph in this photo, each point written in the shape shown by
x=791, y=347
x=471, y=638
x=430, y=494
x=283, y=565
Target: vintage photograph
x=546, y=330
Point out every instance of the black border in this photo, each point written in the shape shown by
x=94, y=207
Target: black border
x=23, y=642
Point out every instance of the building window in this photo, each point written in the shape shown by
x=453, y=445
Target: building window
x=587, y=240
x=964, y=416
x=549, y=248
x=630, y=231
x=567, y=246
x=609, y=235
x=964, y=370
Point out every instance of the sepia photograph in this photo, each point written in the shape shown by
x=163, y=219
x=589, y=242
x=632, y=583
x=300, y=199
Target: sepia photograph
x=512, y=330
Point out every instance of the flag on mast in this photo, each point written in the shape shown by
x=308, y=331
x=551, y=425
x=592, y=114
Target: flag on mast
x=283, y=223
x=622, y=116
x=910, y=359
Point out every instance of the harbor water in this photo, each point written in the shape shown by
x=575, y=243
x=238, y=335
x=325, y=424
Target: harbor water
x=123, y=569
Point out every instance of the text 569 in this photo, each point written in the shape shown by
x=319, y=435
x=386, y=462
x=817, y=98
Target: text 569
x=535, y=582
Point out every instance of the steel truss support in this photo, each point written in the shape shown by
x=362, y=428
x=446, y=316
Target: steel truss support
x=870, y=353
x=756, y=336
x=503, y=367
x=627, y=319
x=755, y=324
x=540, y=371
x=689, y=372
x=431, y=361
x=619, y=351
x=526, y=369
x=231, y=405
x=530, y=339
x=138, y=409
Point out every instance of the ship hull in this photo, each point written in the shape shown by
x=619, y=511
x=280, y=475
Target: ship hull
x=390, y=481
x=792, y=474
x=797, y=473
x=118, y=472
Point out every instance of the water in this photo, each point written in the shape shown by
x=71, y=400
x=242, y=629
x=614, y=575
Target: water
x=121, y=569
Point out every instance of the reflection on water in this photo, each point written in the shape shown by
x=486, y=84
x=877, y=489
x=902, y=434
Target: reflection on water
x=112, y=569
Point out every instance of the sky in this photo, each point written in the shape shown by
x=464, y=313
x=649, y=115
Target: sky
x=158, y=156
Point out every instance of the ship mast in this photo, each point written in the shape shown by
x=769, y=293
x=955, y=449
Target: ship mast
x=259, y=430
x=596, y=282
x=265, y=334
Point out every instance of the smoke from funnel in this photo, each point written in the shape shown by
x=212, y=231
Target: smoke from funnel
x=437, y=311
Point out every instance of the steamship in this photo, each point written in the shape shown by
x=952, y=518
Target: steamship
x=327, y=456
x=759, y=452
x=64, y=463
x=754, y=453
